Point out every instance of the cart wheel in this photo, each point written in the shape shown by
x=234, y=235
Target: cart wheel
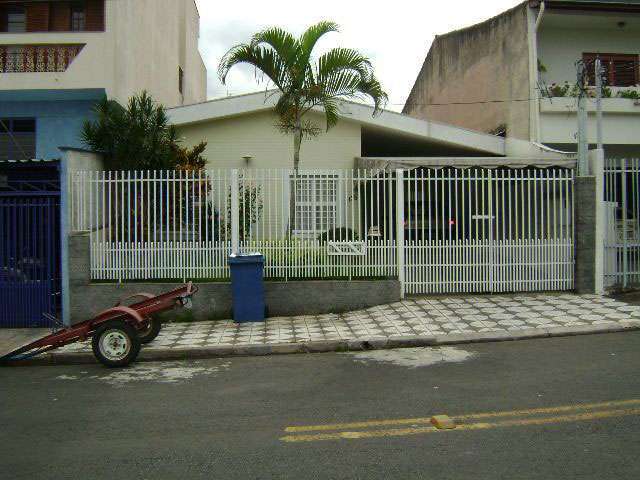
x=116, y=344
x=149, y=334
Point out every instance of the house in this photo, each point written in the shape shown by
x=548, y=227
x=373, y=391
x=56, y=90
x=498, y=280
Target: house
x=57, y=58
x=241, y=132
x=514, y=74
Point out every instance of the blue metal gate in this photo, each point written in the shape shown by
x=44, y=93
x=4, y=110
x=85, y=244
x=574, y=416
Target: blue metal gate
x=30, y=286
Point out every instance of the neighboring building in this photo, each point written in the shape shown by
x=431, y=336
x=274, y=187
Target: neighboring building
x=57, y=58
x=500, y=74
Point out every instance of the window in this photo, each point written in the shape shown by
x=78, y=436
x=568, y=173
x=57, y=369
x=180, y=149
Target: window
x=315, y=204
x=17, y=138
x=180, y=80
x=620, y=70
x=78, y=17
x=16, y=19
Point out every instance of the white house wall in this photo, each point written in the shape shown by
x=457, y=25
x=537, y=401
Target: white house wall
x=256, y=135
x=558, y=49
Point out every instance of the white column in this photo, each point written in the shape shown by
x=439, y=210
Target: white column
x=400, y=228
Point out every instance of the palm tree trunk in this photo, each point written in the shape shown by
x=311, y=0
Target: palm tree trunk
x=297, y=142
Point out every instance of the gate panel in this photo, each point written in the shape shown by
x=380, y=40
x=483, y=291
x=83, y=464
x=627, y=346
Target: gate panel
x=622, y=209
x=488, y=230
x=29, y=260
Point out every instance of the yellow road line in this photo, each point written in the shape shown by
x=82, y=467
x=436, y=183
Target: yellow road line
x=427, y=420
x=559, y=409
x=397, y=432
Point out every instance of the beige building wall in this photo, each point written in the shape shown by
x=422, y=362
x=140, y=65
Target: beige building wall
x=467, y=68
x=256, y=135
x=144, y=44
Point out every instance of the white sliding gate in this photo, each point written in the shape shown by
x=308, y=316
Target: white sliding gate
x=622, y=239
x=488, y=230
x=440, y=230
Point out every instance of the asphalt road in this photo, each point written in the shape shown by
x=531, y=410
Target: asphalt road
x=228, y=418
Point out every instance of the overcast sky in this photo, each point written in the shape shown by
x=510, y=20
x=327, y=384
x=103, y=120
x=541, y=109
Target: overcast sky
x=395, y=34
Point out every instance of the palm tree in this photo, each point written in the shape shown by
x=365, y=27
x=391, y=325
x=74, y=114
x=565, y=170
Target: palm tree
x=138, y=137
x=305, y=83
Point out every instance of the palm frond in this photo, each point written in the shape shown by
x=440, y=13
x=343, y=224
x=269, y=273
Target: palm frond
x=310, y=37
x=372, y=88
x=281, y=41
x=341, y=59
x=331, y=111
x=264, y=59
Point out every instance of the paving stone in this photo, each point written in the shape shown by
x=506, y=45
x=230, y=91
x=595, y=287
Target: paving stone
x=450, y=319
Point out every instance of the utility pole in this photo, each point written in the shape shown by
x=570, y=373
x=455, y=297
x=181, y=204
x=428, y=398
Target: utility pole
x=583, y=145
x=598, y=75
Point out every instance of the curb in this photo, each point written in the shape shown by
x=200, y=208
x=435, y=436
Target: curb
x=151, y=354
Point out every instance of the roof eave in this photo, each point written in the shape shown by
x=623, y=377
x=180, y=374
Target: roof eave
x=363, y=114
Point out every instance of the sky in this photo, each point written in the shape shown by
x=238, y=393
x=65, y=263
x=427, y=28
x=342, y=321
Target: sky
x=395, y=35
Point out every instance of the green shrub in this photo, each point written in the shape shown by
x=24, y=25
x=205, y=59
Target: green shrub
x=630, y=94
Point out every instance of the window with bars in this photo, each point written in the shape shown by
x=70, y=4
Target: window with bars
x=620, y=70
x=17, y=138
x=315, y=204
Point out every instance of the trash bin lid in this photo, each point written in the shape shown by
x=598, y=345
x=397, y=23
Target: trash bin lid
x=253, y=257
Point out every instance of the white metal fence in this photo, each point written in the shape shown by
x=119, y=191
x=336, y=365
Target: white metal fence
x=622, y=240
x=449, y=230
x=177, y=224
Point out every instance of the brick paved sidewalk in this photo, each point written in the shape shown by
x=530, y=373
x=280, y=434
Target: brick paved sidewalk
x=442, y=318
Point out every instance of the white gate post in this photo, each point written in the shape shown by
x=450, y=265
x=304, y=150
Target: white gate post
x=235, y=212
x=400, y=228
x=625, y=234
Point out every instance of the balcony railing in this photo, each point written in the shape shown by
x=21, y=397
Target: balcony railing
x=37, y=58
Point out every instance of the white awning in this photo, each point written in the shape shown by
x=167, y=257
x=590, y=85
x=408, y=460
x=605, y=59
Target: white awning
x=409, y=163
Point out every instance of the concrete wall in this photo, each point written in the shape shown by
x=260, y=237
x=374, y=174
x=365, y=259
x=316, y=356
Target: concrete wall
x=150, y=41
x=585, y=236
x=142, y=48
x=489, y=61
x=213, y=300
x=230, y=139
x=590, y=227
x=73, y=273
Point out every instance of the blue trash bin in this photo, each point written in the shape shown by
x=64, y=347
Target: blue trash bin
x=247, y=287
